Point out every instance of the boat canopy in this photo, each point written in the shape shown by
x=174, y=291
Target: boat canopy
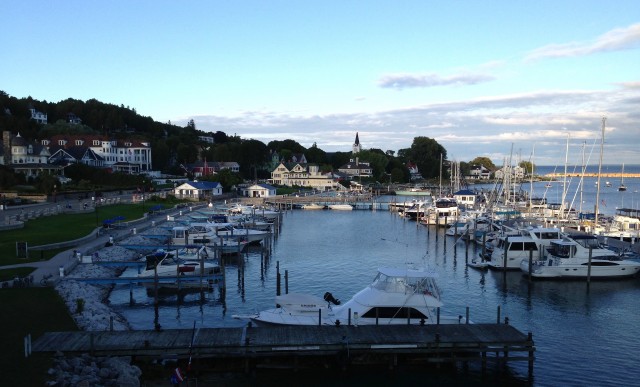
x=406, y=273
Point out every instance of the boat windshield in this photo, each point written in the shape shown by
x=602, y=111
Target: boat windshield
x=588, y=242
x=407, y=285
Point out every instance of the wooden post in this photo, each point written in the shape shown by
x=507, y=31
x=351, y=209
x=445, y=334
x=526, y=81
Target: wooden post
x=498, y=320
x=506, y=251
x=589, y=266
x=286, y=282
x=530, y=346
x=278, y=278
x=531, y=262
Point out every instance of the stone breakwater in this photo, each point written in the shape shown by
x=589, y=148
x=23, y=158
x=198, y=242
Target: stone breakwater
x=93, y=371
x=94, y=314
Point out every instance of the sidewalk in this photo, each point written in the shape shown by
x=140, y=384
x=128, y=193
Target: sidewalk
x=66, y=260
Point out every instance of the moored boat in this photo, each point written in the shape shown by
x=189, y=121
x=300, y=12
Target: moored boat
x=341, y=207
x=313, y=206
x=396, y=296
x=567, y=258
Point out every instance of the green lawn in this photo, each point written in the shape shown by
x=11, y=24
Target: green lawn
x=29, y=311
x=62, y=227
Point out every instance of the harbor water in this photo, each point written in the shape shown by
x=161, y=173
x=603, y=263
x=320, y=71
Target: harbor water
x=584, y=335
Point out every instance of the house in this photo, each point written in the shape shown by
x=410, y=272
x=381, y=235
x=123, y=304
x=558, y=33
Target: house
x=198, y=190
x=207, y=139
x=75, y=155
x=356, y=168
x=516, y=172
x=73, y=119
x=479, y=172
x=259, y=191
x=206, y=168
x=38, y=117
x=128, y=155
x=465, y=198
x=303, y=175
x=27, y=157
x=298, y=158
x=413, y=171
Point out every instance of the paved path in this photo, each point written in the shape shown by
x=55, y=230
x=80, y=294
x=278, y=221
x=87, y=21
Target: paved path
x=65, y=259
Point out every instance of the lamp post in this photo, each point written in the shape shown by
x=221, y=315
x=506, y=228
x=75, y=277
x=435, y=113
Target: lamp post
x=143, y=183
x=95, y=207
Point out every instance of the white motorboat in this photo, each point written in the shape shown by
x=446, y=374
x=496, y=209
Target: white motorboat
x=568, y=258
x=443, y=212
x=313, y=206
x=341, y=207
x=164, y=263
x=396, y=296
x=513, y=249
x=205, y=233
x=253, y=211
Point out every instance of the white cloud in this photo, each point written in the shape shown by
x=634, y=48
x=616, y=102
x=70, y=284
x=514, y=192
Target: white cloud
x=404, y=81
x=468, y=128
x=614, y=40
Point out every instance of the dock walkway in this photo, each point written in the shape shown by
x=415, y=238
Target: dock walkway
x=259, y=347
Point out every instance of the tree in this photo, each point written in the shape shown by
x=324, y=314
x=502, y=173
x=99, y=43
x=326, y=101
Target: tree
x=226, y=178
x=377, y=161
x=426, y=153
x=485, y=162
x=528, y=167
x=315, y=155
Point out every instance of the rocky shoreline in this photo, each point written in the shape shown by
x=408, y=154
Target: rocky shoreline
x=88, y=306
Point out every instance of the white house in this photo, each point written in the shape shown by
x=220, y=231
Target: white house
x=479, y=172
x=259, y=191
x=303, y=175
x=198, y=190
x=465, y=198
x=355, y=168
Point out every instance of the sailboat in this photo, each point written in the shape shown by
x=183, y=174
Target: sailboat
x=622, y=187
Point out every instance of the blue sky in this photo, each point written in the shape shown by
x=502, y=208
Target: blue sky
x=480, y=77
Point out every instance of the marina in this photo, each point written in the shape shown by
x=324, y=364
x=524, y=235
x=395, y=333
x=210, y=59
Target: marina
x=338, y=251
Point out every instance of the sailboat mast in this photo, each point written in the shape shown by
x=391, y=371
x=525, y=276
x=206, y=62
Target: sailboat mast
x=604, y=121
x=440, y=193
x=584, y=167
x=564, y=181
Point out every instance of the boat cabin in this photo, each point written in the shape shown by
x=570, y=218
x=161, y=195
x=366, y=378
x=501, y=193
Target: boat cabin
x=517, y=244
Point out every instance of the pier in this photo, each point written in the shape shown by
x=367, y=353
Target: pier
x=296, y=347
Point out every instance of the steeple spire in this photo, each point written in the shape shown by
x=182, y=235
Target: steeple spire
x=356, y=145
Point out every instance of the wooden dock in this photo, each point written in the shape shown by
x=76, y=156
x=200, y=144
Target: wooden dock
x=249, y=348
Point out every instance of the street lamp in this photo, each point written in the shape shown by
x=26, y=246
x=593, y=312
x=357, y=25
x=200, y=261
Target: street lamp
x=143, y=183
x=95, y=207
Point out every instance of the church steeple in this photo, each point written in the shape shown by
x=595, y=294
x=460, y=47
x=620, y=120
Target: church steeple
x=356, y=145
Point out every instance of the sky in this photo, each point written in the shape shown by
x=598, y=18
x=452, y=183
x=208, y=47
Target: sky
x=519, y=80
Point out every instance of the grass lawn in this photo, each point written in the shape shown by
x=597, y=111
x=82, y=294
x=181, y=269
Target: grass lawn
x=63, y=227
x=29, y=311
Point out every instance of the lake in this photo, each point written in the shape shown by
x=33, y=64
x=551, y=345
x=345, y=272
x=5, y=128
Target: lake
x=583, y=335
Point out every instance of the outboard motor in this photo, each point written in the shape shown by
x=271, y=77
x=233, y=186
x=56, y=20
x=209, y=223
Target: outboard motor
x=329, y=298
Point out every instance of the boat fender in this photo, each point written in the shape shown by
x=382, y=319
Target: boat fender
x=329, y=298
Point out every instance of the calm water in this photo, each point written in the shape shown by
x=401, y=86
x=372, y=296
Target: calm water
x=582, y=337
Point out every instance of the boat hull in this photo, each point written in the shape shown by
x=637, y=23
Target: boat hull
x=581, y=270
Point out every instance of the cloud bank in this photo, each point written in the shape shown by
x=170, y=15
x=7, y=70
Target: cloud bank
x=615, y=40
x=404, y=81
